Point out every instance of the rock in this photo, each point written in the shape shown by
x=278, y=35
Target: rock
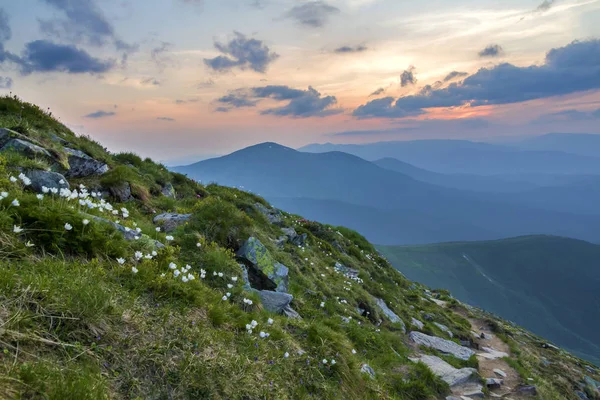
x=527, y=390
x=427, y=317
x=444, y=328
x=275, y=301
x=366, y=369
x=273, y=215
x=245, y=277
x=81, y=165
x=446, y=372
x=474, y=394
x=294, y=238
x=417, y=323
x=389, y=313
x=443, y=345
x=7, y=134
x=57, y=139
x=170, y=221
x=122, y=192
x=40, y=178
x=492, y=354
x=291, y=313
x=346, y=271
x=494, y=383
x=168, y=191
x=128, y=234
x=452, y=398
x=265, y=272
x=26, y=148
x=280, y=242
x=581, y=395
x=499, y=372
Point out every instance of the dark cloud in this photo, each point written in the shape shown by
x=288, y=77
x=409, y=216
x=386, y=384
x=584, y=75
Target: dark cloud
x=569, y=69
x=100, y=114
x=168, y=119
x=181, y=101
x=493, y=50
x=150, y=81
x=378, y=92
x=569, y=115
x=314, y=13
x=243, y=53
x=5, y=31
x=408, y=77
x=44, y=56
x=159, y=54
x=5, y=82
x=423, y=126
x=222, y=109
x=350, y=49
x=454, y=74
x=545, y=6
x=301, y=103
x=206, y=84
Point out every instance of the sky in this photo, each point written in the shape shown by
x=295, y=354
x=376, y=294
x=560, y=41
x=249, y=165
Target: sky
x=182, y=80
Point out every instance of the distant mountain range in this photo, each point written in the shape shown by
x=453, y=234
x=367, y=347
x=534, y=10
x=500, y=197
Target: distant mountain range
x=547, y=284
x=407, y=207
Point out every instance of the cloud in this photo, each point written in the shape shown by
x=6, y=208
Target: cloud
x=168, y=119
x=301, y=103
x=45, y=56
x=150, y=81
x=314, y=14
x=5, y=31
x=378, y=92
x=408, y=77
x=206, y=84
x=350, y=49
x=5, y=82
x=569, y=69
x=180, y=101
x=100, y=114
x=454, y=74
x=422, y=126
x=493, y=50
x=569, y=115
x=243, y=53
x=545, y=6
x=158, y=55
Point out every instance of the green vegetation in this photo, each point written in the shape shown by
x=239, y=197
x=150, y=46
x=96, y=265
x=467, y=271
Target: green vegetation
x=86, y=314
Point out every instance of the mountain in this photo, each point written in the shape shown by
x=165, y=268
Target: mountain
x=458, y=181
x=407, y=211
x=585, y=144
x=120, y=279
x=547, y=284
x=466, y=157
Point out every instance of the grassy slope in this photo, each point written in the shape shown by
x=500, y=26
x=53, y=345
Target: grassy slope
x=547, y=284
x=75, y=324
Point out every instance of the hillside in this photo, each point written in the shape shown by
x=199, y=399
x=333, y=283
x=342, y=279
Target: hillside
x=122, y=280
x=544, y=283
x=585, y=144
x=413, y=212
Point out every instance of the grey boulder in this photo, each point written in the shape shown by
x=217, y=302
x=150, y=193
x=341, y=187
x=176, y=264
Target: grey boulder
x=273, y=215
x=168, y=191
x=417, y=323
x=122, y=192
x=40, y=179
x=263, y=265
x=275, y=301
x=389, y=313
x=81, y=165
x=170, y=221
x=26, y=148
x=444, y=328
x=366, y=369
x=443, y=345
x=446, y=372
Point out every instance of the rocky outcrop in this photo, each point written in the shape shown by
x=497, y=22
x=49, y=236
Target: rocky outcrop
x=81, y=165
x=444, y=328
x=366, y=369
x=40, y=179
x=170, y=221
x=443, y=345
x=293, y=237
x=446, y=372
x=417, y=323
x=491, y=353
x=389, y=313
x=349, y=273
x=500, y=373
x=275, y=301
x=273, y=215
x=26, y=148
x=121, y=192
x=494, y=383
x=128, y=234
x=168, y=191
x=264, y=272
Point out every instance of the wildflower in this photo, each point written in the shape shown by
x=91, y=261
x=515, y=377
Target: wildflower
x=45, y=189
x=229, y=286
x=324, y=361
x=228, y=294
x=176, y=273
x=134, y=270
x=121, y=261
x=353, y=351
x=270, y=321
x=169, y=237
x=138, y=230
x=173, y=266
x=163, y=275
x=13, y=179
x=224, y=298
x=234, y=278
x=184, y=278
x=3, y=195
x=138, y=255
x=198, y=244
x=68, y=226
x=263, y=334
x=322, y=304
x=286, y=355
x=191, y=277
x=220, y=274
x=247, y=301
x=17, y=229
x=332, y=362
x=158, y=229
x=148, y=256
x=154, y=253
x=54, y=190
x=15, y=203
x=61, y=182
x=254, y=323
x=29, y=244
x=115, y=212
x=85, y=221
x=127, y=229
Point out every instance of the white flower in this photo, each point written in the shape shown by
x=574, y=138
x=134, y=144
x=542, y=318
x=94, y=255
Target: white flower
x=228, y=294
x=148, y=256
x=184, y=278
x=173, y=266
x=127, y=229
x=324, y=361
x=17, y=229
x=322, y=304
x=154, y=253
x=229, y=286
x=81, y=186
x=54, y=190
x=163, y=275
x=29, y=244
x=235, y=278
x=4, y=194
x=134, y=270
x=249, y=302
x=68, y=226
x=135, y=224
x=12, y=179
x=263, y=334
x=138, y=255
x=224, y=298
x=332, y=362
x=191, y=277
x=270, y=321
x=121, y=261
x=198, y=244
x=115, y=212
x=85, y=221
x=169, y=237
x=15, y=203
x=254, y=323
x=220, y=274
x=158, y=229
x=40, y=196
x=353, y=351
x=61, y=182
x=138, y=230
x=45, y=189
x=176, y=273
x=286, y=355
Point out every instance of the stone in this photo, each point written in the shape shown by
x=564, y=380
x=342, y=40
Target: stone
x=474, y=394
x=499, y=372
x=294, y=238
x=346, y=271
x=492, y=354
x=128, y=234
x=446, y=372
x=291, y=313
x=168, y=191
x=443, y=345
x=275, y=301
x=7, y=134
x=452, y=398
x=273, y=215
x=417, y=323
x=171, y=221
x=264, y=272
x=57, y=139
x=529, y=390
x=81, y=165
x=122, y=192
x=26, y=148
x=389, y=313
x=581, y=395
x=427, y=317
x=40, y=178
x=494, y=383
x=366, y=369
x=444, y=328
